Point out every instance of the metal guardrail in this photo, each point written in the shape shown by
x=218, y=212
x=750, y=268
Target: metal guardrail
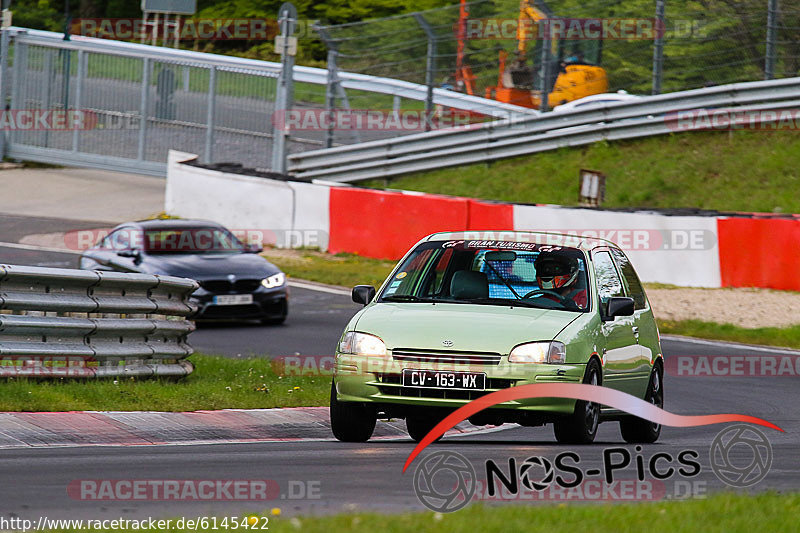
x=69, y=323
x=508, y=138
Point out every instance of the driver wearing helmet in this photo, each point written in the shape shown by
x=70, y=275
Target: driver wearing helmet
x=559, y=273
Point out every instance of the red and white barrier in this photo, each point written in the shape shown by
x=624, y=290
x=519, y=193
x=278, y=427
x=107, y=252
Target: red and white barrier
x=682, y=250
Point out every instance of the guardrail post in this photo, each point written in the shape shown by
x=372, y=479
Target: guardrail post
x=5, y=42
x=20, y=73
x=48, y=86
x=82, y=60
x=544, y=70
x=430, y=67
x=658, y=48
x=212, y=99
x=143, y=107
x=772, y=33
x=330, y=96
x=331, y=81
x=287, y=21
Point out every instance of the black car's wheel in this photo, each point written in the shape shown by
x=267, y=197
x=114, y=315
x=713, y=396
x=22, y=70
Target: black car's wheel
x=639, y=430
x=581, y=426
x=351, y=422
x=420, y=425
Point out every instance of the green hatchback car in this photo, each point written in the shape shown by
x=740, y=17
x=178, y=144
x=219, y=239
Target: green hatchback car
x=463, y=315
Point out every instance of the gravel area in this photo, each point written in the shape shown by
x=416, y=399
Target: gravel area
x=747, y=308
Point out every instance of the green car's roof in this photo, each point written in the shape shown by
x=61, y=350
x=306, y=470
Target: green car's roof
x=538, y=237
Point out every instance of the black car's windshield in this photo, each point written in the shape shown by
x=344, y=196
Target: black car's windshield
x=197, y=240
x=492, y=273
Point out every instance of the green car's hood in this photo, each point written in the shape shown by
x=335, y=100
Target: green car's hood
x=471, y=327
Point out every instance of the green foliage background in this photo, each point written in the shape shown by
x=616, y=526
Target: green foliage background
x=708, y=42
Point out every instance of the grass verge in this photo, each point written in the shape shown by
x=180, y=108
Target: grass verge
x=726, y=512
x=346, y=270
x=739, y=170
x=720, y=513
x=216, y=383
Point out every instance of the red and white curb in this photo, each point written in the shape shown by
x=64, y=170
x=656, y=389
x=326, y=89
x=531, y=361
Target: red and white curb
x=145, y=428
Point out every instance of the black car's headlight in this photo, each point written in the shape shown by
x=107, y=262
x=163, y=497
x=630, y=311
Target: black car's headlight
x=276, y=280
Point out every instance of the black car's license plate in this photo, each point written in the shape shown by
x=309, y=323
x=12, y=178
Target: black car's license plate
x=444, y=380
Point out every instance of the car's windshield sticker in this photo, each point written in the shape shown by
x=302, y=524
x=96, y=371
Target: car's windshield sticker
x=503, y=245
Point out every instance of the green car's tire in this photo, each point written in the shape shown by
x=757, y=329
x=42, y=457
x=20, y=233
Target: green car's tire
x=419, y=426
x=351, y=422
x=581, y=426
x=638, y=430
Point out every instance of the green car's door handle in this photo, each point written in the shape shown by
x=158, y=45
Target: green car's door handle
x=636, y=332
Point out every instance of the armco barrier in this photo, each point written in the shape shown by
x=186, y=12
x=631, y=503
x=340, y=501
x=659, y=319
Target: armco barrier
x=500, y=139
x=723, y=252
x=58, y=322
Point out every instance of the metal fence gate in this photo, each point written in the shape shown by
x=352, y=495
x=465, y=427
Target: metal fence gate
x=133, y=104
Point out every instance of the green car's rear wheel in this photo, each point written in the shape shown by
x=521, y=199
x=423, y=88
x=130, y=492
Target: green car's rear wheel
x=351, y=422
x=638, y=430
x=420, y=425
x=581, y=426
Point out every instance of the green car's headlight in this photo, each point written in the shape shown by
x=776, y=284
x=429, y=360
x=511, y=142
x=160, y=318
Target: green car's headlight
x=539, y=352
x=274, y=281
x=362, y=344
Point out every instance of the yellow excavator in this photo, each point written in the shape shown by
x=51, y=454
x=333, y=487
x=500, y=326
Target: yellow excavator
x=563, y=74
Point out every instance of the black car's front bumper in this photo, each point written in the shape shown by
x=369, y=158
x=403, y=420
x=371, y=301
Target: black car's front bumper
x=267, y=304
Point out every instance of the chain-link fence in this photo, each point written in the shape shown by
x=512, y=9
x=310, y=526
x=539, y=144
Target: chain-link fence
x=116, y=108
x=519, y=51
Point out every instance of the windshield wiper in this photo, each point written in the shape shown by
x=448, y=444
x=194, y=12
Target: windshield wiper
x=405, y=298
x=499, y=301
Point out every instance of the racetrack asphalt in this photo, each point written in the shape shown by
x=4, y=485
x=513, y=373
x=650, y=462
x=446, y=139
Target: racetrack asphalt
x=344, y=477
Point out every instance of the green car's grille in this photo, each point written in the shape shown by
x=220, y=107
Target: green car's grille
x=446, y=356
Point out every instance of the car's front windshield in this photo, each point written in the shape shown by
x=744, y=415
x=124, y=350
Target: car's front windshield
x=197, y=240
x=492, y=273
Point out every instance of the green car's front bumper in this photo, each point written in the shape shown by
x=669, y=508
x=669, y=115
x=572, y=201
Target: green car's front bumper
x=378, y=380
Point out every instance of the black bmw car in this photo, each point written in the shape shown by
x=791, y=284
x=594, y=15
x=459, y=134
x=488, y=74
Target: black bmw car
x=235, y=282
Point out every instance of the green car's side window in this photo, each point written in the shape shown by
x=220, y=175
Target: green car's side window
x=608, y=281
x=632, y=283
x=407, y=281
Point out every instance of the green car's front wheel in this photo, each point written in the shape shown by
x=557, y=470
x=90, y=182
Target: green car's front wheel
x=581, y=426
x=351, y=422
x=638, y=430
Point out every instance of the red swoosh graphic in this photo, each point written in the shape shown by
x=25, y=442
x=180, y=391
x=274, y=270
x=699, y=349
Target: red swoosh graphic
x=577, y=391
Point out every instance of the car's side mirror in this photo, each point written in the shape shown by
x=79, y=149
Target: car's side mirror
x=136, y=255
x=363, y=294
x=254, y=249
x=619, y=306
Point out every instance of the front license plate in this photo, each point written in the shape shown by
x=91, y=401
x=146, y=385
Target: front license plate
x=444, y=380
x=233, y=299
